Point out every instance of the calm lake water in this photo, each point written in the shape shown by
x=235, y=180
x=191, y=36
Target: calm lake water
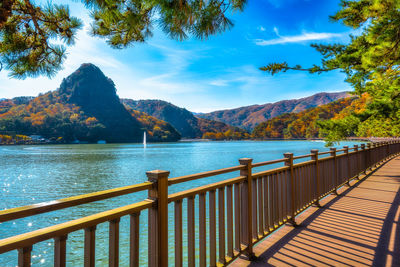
x=32, y=174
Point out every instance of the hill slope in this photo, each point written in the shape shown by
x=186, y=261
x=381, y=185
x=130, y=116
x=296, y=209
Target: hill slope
x=302, y=124
x=183, y=120
x=250, y=116
x=85, y=107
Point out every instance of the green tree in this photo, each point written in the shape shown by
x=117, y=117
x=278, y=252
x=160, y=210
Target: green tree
x=371, y=62
x=33, y=38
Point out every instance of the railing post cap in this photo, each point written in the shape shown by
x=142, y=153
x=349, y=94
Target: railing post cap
x=288, y=155
x=156, y=175
x=355, y=145
x=245, y=161
x=332, y=149
x=314, y=151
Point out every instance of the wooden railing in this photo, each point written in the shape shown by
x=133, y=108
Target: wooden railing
x=233, y=214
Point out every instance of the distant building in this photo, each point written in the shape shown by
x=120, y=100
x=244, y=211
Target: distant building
x=36, y=137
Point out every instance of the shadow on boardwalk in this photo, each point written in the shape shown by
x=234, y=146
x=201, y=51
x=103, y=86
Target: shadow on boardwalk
x=360, y=227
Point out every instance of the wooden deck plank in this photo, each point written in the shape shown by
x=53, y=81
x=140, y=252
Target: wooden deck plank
x=360, y=227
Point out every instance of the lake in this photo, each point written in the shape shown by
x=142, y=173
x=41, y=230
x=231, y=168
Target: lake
x=32, y=174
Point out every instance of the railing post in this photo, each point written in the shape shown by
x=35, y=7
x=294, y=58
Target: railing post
x=387, y=150
x=289, y=162
x=158, y=218
x=364, y=159
x=346, y=151
x=357, y=161
x=247, y=207
x=335, y=170
x=314, y=156
x=369, y=165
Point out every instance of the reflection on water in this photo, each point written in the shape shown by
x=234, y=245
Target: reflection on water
x=32, y=174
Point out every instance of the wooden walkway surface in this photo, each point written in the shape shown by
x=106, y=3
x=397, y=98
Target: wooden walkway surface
x=360, y=227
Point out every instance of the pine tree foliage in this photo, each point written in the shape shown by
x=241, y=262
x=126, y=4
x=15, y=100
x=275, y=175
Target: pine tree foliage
x=371, y=62
x=124, y=22
x=33, y=38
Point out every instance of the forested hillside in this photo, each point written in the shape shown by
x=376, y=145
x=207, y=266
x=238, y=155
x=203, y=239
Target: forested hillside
x=185, y=122
x=250, y=116
x=86, y=108
x=305, y=124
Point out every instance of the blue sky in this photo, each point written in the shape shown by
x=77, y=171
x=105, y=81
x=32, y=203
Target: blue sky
x=219, y=73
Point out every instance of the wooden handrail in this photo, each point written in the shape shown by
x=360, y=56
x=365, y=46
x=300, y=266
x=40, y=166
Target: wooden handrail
x=25, y=211
x=324, y=153
x=203, y=189
x=259, y=164
x=269, y=172
x=305, y=163
x=302, y=156
x=31, y=238
x=192, y=177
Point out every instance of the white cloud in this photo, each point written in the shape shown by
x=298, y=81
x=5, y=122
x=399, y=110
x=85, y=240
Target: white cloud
x=276, y=31
x=304, y=37
x=261, y=28
x=219, y=82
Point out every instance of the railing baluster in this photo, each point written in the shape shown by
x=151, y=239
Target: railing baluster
x=363, y=158
x=357, y=155
x=60, y=249
x=202, y=229
x=266, y=208
x=113, y=255
x=134, y=240
x=254, y=208
x=260, y=207
x=279, y=202
x=221, y=225
x=276, y=199
x=229, y=220
x=346, y=151
x=238, y=247
x=271, y=201
x=309, y=180
x=191, y=232
x=90, y=247
x=24, y=256
x=335, y=170
x=178, y=234
x=213, y=235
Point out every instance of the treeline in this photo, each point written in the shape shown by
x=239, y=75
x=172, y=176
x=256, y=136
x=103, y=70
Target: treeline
x=227, y=135
x=306, y=124
x=6, y=139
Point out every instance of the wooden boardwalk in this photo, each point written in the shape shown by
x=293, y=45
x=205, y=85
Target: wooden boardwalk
x=360, y=227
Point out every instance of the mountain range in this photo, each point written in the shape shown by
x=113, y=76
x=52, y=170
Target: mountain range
x=87, y=107
x=250, y=116
x=183, y=120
